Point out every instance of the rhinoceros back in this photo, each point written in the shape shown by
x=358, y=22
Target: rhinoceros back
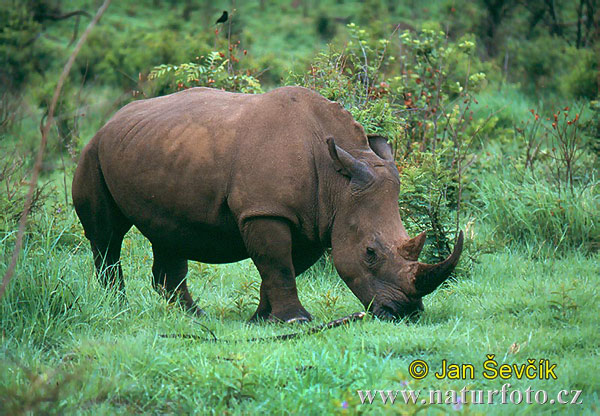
x=202, y=161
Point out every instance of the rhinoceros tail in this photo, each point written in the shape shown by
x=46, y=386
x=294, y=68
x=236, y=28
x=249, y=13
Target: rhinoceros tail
x=103, y=222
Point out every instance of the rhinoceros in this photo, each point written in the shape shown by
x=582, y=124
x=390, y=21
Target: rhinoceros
x=217, y=177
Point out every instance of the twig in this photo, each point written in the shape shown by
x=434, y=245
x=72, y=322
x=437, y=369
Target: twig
x=366, y=82
x=229, y=48
x=44, y=140
x=75, y=30
x=67, y=15
x=319, y=328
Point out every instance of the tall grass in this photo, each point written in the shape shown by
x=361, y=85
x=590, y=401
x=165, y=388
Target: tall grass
x=533, y=212
x=69, y=347
x=507, y=102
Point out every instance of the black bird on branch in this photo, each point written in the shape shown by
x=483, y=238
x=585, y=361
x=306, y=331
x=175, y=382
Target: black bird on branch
x=223, y=18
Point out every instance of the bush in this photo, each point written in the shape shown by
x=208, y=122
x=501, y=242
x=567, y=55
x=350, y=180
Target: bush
x=425, y=112
x=212, y=71
x=115, y=58
x=13, y=182
x=581, y=80
x=549, y=66
x=427, y=203
x=355, y=77
x=19, y=54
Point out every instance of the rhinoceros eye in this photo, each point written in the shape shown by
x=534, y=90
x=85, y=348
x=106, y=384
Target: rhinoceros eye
x=371, y=256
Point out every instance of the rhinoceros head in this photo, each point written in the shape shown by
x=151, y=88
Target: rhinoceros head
x=370, y=247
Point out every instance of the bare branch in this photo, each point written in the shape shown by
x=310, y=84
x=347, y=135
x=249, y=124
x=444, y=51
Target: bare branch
x=64, y=16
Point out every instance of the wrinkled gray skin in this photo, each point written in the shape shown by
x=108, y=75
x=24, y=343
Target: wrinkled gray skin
x=218, y=177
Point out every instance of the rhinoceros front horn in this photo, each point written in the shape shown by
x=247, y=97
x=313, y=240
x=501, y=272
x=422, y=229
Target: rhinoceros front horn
x=429, y=276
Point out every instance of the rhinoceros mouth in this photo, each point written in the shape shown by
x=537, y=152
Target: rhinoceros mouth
x=395, y=312
x=386, y=313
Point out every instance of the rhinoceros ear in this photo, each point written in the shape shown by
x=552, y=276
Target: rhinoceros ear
x=380, y=146
x=348, y=165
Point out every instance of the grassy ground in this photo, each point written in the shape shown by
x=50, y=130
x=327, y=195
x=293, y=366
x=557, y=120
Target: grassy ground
x=70, y=347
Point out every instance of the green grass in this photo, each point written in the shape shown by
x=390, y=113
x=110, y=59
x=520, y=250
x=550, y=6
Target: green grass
x=507, y=102
x=534, y=213
x=69, y=347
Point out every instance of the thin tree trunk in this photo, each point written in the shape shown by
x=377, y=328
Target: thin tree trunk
x=40, y=154
x=579, y=17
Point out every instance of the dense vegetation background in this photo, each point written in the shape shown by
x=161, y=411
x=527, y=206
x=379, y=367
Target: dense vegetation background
x=492, y=108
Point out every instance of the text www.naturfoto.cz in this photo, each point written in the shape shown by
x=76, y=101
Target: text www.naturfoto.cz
x=465, y=395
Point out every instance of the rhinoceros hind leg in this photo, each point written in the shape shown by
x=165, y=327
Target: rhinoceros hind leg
x=169, y=279
x=108, y=264
x=103, y=222
x=269, y=243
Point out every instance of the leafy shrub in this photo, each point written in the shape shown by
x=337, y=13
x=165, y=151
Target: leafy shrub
x=431, y=86
x=115, y=58
x=439, y=131
x=425, y=112
x=593, y=126
x=13, y=182
x=557, y=148
x=550, y=66
x=354, y=76
x=19, y=55
x=212, y=71
x=581, y=80
x=425, y=203
x=533, y=63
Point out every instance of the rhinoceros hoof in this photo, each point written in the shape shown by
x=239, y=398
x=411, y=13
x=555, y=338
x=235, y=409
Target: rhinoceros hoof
x=291, y=317
x=197, y=312
x=301, y=320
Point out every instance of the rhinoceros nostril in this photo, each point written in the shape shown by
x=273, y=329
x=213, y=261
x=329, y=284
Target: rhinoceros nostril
x=385, y=312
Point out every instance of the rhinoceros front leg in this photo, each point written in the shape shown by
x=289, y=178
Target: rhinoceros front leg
x=269, y=244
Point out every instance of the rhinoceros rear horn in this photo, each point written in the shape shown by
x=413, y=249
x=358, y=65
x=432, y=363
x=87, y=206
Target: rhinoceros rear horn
x=430, y=276
x=413, y=247
x=348, y=165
